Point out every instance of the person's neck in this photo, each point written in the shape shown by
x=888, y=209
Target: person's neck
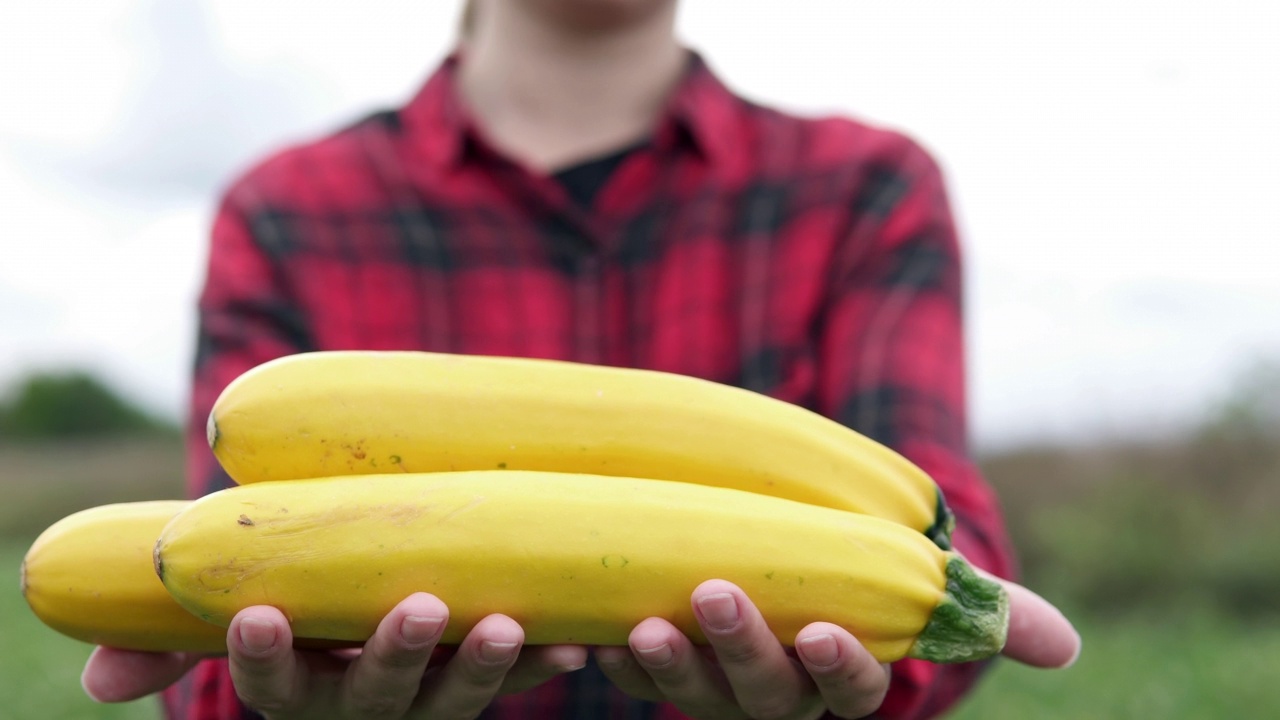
x=551, y=96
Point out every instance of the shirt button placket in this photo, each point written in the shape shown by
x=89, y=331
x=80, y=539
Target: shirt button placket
x=588, y=332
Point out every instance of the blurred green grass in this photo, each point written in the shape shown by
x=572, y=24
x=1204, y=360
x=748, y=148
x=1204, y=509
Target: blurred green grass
x=45, y=481
x=1183, y=664
x=40, y=669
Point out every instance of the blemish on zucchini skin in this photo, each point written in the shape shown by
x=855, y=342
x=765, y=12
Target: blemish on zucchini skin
x=614, y=561
x=157, y=562
x=211, y=432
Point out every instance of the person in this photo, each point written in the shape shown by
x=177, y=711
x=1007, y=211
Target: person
x=574, y=182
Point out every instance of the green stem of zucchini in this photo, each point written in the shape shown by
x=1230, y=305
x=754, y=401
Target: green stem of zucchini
x=944, y=522
x=971, y=621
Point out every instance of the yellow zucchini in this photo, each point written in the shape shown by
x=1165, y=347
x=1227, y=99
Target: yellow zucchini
x=372, y=412
x=575, y=558
x=90, y=576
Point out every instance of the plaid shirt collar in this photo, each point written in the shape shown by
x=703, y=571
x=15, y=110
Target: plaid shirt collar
x=699, y=115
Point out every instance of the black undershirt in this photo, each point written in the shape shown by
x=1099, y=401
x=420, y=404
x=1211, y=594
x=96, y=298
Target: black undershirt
x=584, y=179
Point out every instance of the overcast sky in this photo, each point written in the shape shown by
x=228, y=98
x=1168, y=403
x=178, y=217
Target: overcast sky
x=1113, y=164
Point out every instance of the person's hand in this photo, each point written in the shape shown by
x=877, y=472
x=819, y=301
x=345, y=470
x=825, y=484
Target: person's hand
x=388, y=678
x=746, y=673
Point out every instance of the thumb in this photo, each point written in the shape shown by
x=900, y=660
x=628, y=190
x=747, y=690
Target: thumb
x=111, y=675
x=1039, y=634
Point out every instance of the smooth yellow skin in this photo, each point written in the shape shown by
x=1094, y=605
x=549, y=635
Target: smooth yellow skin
x=573, y=558
x=90, y=576
x=367, y=412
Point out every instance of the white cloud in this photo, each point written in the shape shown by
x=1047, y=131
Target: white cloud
x=62, y=72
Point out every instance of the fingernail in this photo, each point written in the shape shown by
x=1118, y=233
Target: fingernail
x=418, y=629
x=611, y=661
x=656, y=656
x=496, y=652
x=572, y=668
x=257, y=635
x=719, y=610
x=819, y=650
x=1075, y=655
x=84, y=676
x=89, y=692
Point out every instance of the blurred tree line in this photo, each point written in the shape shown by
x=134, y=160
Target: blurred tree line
x=1185, y=520
x=72, y=405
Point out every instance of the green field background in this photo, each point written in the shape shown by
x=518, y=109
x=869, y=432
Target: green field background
x=1165, y=552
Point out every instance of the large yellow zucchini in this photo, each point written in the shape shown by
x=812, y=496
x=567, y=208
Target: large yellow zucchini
x=574, y=558
x=365, y=412
x=90, y=576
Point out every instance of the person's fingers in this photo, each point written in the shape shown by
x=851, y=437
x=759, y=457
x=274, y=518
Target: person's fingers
x=536, y=665
x=384, y=679
x=852, y=682
x=620, y=666
x=473, y=676
x=680, y=671
x=766, y=681
x=1039, y=634
x=112, y=675
x=266, y=671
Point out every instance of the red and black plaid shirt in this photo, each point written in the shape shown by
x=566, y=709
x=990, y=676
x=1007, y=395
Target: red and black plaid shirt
x=814, y=260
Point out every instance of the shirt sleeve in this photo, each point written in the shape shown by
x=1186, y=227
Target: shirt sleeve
x=892, y=359
x=247, y=315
